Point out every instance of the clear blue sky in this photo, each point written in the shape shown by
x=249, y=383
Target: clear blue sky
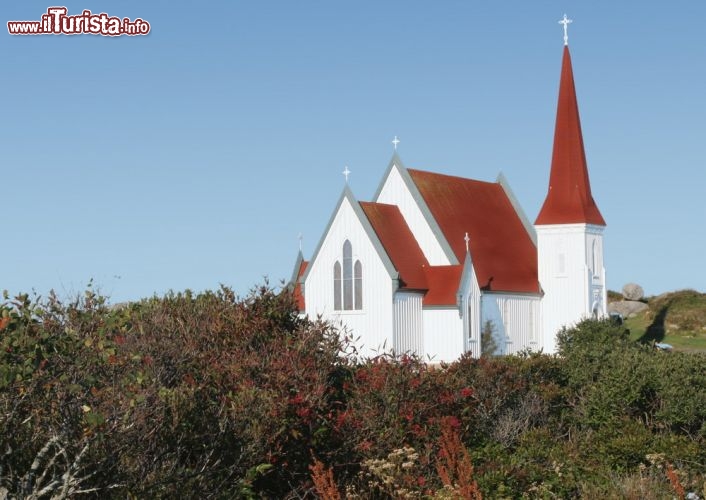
x=195, y=155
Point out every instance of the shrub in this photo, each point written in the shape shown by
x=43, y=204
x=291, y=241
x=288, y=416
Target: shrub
x=181, y=395
x=488, y=346
x=213, y=395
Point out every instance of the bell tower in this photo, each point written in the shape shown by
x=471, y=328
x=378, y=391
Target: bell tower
x=569, y=226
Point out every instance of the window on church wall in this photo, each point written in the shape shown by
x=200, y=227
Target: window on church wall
x=347, y=276
x=358, y=272
x=595, y=260
x=337, y=286
x=348, y=282
x=562, y=264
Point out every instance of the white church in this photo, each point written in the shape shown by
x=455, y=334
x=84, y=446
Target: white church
x=433, y=257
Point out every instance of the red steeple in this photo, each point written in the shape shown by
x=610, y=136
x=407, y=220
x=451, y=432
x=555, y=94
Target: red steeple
x=569, y=199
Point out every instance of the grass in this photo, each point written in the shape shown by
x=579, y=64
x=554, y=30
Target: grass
x=676, y=318
x=637, y=325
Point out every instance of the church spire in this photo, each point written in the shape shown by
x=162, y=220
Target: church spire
x=569, y=199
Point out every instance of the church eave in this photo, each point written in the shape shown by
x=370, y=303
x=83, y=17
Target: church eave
x=502, y=180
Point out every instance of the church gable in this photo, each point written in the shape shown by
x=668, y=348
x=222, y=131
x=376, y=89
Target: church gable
x=468, y=284
x=440, y=209
x=349, y=266
x=398, y=189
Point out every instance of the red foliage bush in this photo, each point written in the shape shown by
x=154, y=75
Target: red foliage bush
x=212, y=395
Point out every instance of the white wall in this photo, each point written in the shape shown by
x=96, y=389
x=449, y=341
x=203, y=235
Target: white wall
x=516, y=319
x=443, y=334
x=566, y=275
x=408, y=323
x=395, y=192
x=373, y=324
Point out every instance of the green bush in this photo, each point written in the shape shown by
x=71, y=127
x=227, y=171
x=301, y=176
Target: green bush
x=181, y=395
x=209, y=394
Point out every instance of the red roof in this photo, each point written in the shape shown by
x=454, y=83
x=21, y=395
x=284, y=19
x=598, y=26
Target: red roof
x=298, y=295
x=443, y=284
x=440, y=282
x=399, y=243
x=569, y=199
x=504, y=256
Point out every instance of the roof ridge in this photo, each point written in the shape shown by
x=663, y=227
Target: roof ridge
x=451, y=176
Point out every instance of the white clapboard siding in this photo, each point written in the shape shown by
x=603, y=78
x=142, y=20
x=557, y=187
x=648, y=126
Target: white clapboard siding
x=408, y=323
x=515, y=319
x=470, y=308
x=443, y=334
x=565, y=263
x=473, y=323
x=371, y=326
x=395, y=192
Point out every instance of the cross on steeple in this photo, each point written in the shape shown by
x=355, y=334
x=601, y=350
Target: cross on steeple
x=566, y=21
x=301, y=237
x=346, y=173
x=395, y=141
x=569, y=199
x=466, y=239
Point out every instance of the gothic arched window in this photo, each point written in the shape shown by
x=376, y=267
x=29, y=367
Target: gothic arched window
x=347, y=276
x=337, y=286
x=358, y=284
x=348, y=282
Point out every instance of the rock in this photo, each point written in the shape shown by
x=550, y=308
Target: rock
x=628, y=308
x=633, y=291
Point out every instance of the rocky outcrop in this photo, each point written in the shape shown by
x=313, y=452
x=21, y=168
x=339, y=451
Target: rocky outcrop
x=633, y=291
x=627, y=308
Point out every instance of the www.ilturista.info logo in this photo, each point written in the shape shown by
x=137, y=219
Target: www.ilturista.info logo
x=57, y=22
